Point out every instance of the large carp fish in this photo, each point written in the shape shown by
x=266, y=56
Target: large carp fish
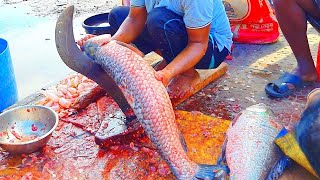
x=249, y=149
x=146, y=95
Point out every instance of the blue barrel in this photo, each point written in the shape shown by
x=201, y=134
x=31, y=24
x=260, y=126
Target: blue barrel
x=8, y=85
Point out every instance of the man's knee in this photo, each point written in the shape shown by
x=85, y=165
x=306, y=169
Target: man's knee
x=155, y=20
x=117, y=15
x=162, y=19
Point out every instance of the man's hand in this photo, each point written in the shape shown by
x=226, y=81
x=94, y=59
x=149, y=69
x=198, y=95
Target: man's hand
x=90, y=38
x=163, y=76
x=81, y=41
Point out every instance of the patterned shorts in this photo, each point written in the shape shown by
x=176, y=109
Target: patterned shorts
x=315, y=22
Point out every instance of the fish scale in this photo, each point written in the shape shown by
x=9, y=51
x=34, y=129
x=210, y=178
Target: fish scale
x=150, y=102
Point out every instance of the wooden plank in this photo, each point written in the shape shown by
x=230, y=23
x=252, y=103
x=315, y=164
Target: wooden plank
x=29, y=100
x=206, y=77
x=35, y=97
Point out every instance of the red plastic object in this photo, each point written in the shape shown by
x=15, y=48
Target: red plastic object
x=257, y=26
x=318, y=62
x=229, y=56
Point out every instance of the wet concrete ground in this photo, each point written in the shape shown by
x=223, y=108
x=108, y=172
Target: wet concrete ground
x=32, y=47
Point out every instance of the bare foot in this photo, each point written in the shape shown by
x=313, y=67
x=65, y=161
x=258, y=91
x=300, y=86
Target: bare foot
x=309, y=76
x=306, y=76
x=182, y=84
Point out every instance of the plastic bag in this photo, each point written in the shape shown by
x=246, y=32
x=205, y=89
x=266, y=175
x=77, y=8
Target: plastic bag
x=252, y=21
x=289, y=145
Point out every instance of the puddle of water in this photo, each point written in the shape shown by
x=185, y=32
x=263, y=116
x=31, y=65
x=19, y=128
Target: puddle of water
x=32, y=46
x=14, y=18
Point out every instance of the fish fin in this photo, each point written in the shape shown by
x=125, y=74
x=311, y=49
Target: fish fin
x=183, y=141
x=222, y=160
x=279, y=168
x=129, y=46
x=211, y=172
x=235, y=119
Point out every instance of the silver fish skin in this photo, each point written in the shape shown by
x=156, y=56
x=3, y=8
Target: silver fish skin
x=150, y=101
x=250, y=150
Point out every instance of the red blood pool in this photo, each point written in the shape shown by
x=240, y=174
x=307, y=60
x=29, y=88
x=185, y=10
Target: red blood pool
x=28, y=110
x=34, y=128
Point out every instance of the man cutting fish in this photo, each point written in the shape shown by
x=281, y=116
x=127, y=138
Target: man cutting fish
x=147, y=96
x=188, y=34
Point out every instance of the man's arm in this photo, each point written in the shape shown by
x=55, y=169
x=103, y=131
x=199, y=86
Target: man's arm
x=129, y=30
x=132, y=26
x=189, y=57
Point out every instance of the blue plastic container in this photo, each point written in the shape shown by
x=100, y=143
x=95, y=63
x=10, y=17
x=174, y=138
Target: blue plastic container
x=8, y=85
x=97, y=24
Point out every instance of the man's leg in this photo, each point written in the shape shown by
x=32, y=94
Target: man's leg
x=315, y=22
x=168, y=32
x=291, y=15
x=212, y=59
x=169, y=35
x=117, y=16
